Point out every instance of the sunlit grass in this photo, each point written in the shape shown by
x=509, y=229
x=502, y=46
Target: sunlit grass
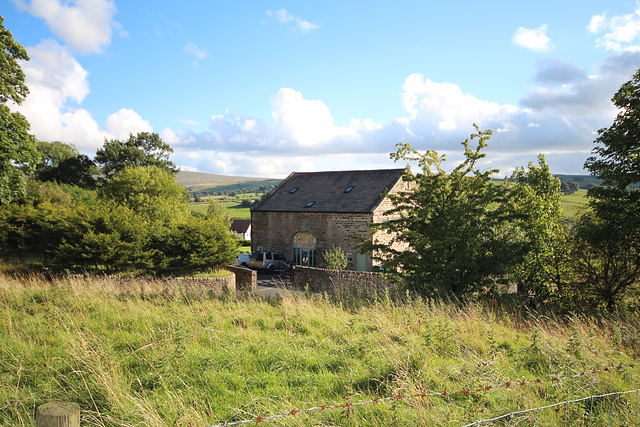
x=155, y=358
x=572, y=203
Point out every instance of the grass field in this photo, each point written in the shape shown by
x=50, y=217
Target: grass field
x=572, y=203
x=233, y=205
x=235, y=210
x=145, y=359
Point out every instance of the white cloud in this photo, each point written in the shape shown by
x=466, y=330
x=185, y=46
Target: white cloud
x=534, y=39
x=57, y=85
x=306, y=26
x=126, y=121
x=309, y=122
x=193, y=49
x=558, y=118
x=295, y=23
x=281, y=15
x=597, y=23
x=622, y=33
x=84, y=25
x=444, y=107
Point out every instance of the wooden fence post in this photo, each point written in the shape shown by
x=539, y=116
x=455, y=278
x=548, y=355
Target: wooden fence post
x=58, y=414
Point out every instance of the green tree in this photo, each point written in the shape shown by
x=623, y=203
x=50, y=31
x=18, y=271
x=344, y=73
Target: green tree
x=37, y=226
x=18, y=153
x=149, y=191
x=605, y=263
x=612, y=236
x=110, y=237
x=335, y=259
x=143, y=149
x=448, y=231
x=535, y=204
x=195, y=245
x=77, y=170
x=215, y=209
x=53, y=153
x=616, y=161
x=569, y=187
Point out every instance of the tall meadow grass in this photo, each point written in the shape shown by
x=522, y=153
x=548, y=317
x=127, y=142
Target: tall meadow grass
x=141, y=357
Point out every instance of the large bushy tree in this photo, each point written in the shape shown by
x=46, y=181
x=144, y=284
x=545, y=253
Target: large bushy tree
x=54, y=153
x=79, y=170
x=18, y=154
x=150, y=191
x=537, y=213
x=609, y=258
x=451, y=231
x=142, y=149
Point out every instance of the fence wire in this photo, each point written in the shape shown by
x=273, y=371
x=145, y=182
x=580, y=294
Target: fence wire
x=467, y=392
x=511, y=415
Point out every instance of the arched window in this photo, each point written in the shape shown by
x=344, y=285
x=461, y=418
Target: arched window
x=304, y=249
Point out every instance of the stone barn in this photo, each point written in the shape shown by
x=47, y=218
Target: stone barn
x=311, y=212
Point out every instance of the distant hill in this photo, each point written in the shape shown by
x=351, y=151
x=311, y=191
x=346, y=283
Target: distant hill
x=583, y=180
x=208, y=183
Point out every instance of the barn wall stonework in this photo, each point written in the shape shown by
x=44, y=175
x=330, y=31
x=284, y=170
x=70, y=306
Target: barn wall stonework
x=274, y=231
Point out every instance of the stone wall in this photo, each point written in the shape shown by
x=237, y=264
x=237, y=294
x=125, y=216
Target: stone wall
x=382, y=237
x=274, y=231
x=345, y=282
x=246, y=279
x=148, y=285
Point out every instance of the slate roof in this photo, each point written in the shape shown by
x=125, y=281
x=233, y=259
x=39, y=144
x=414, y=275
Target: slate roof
x=328, y=191
x=240, y=226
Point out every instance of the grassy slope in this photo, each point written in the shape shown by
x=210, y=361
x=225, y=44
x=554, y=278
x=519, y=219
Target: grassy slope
x=197, y=181
x=162, y=359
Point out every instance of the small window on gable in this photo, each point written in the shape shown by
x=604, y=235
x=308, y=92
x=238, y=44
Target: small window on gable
x=349, y=188
x=310, y=204
x=293, y=190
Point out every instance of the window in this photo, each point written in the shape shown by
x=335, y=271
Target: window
x=304, y=249
x=310, y=204
x=349, y=188
x=293, y=190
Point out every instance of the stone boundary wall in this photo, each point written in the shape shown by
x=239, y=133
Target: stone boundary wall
x=355, y=283
x=246, y=279
x=148, y=285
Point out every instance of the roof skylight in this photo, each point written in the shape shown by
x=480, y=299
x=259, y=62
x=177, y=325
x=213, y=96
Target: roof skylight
x=311, y=203
x=349, y=188
x=293, y=190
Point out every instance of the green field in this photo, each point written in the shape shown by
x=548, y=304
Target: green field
x=211, y=183
x=141, y=358
x=572, y=203
x=232, y=205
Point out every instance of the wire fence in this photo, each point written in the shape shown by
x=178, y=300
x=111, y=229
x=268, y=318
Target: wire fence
x=511, y=416
x=507, y=384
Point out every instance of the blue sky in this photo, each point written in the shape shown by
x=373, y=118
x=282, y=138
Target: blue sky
x=262, y=88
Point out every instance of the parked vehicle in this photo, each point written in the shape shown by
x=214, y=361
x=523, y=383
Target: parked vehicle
x=269, y=261
x=243, y=260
